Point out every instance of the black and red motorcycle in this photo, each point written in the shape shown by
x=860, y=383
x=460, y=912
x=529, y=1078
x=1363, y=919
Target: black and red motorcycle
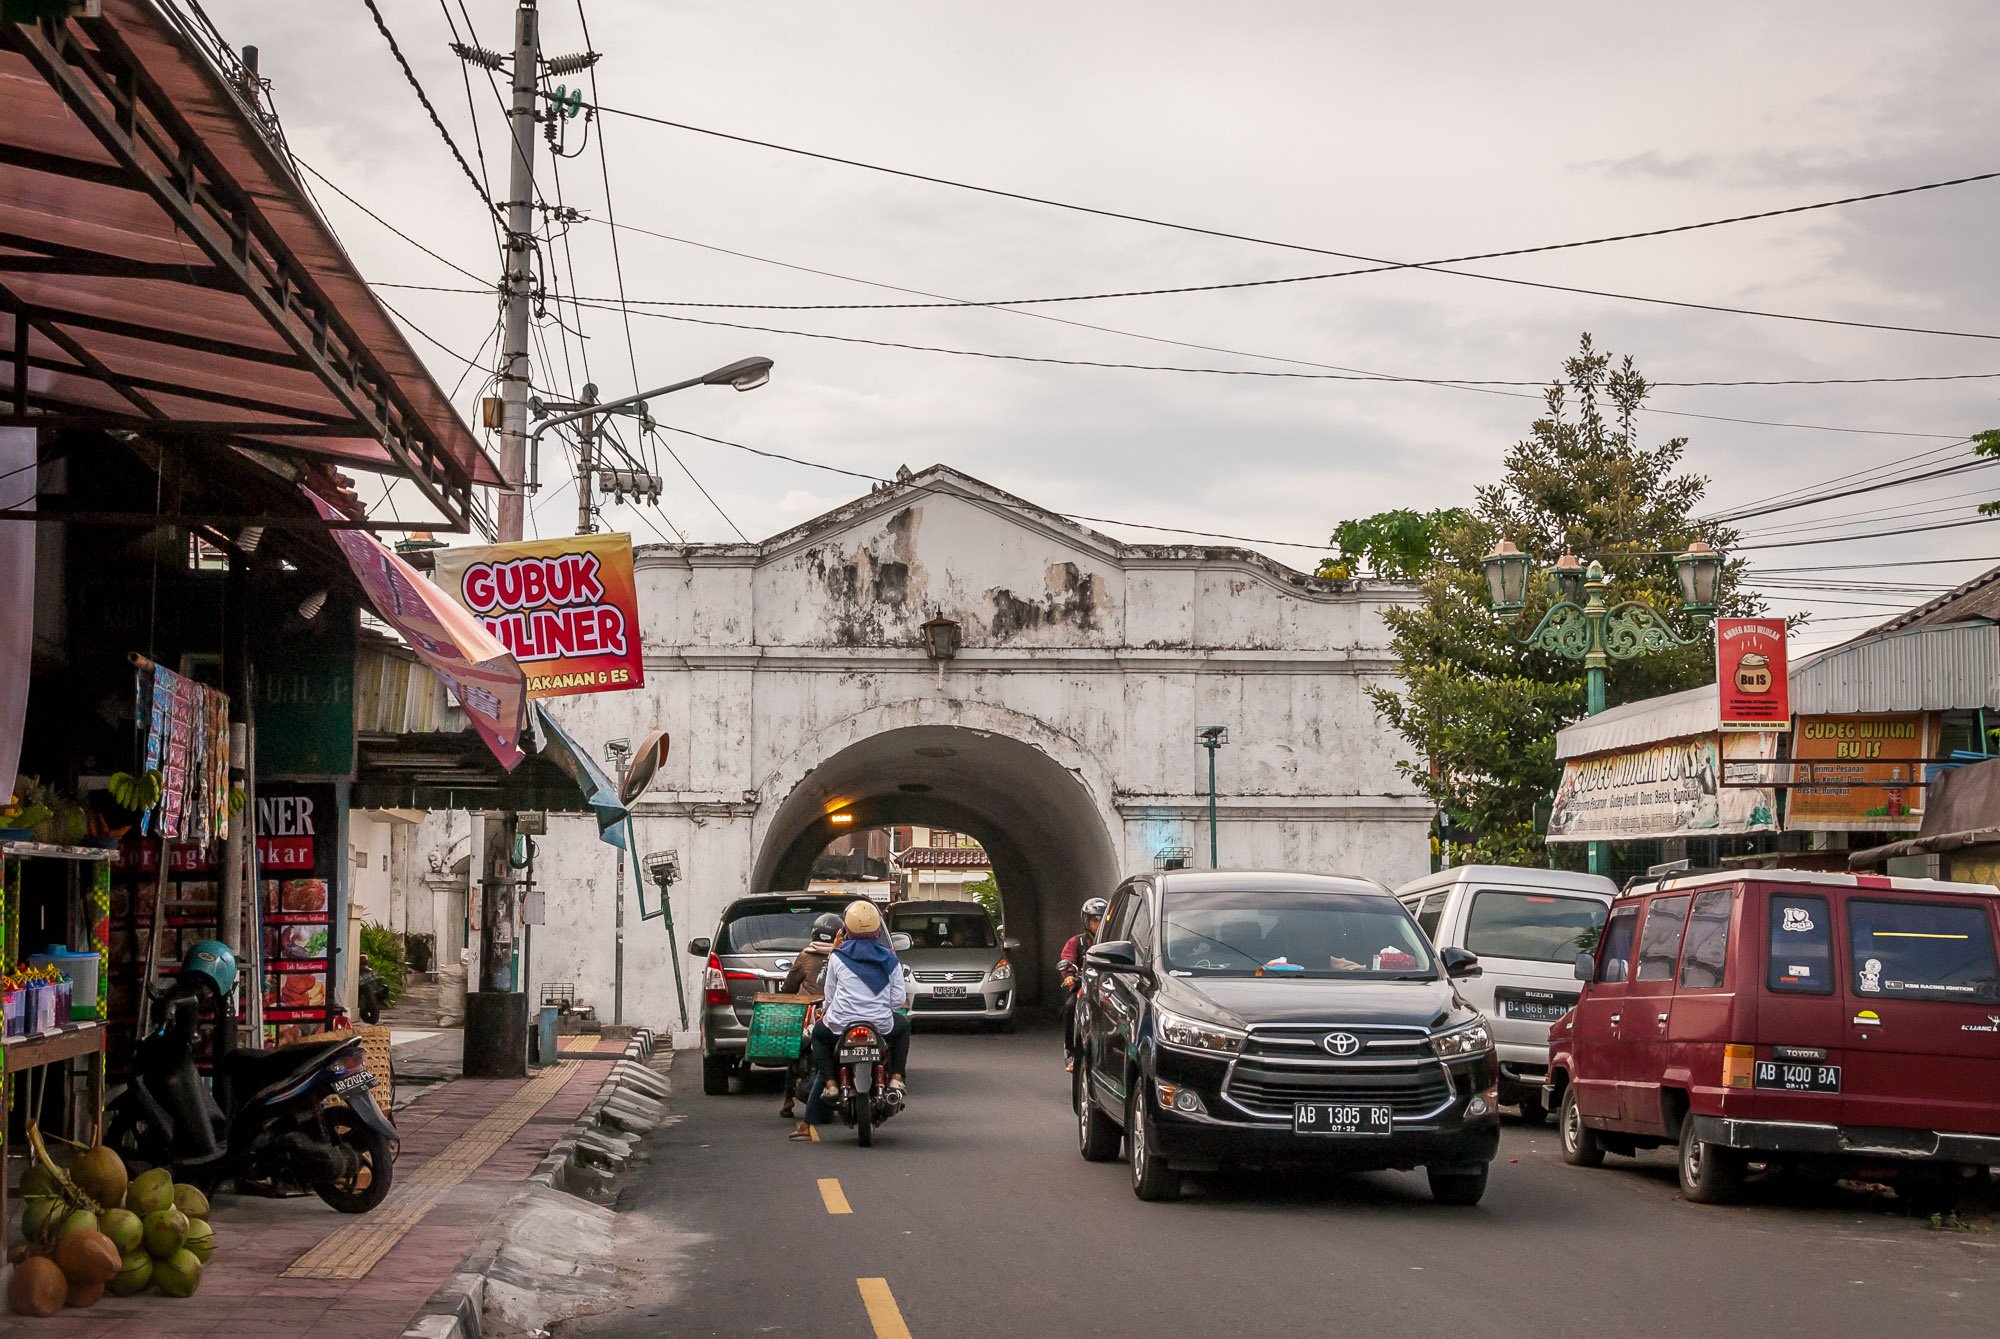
x=861, y=1062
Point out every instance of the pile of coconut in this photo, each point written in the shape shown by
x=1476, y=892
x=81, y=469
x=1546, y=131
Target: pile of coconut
x=91, y=1230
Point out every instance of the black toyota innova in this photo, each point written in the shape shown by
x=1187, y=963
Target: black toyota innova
x=1243, y=1018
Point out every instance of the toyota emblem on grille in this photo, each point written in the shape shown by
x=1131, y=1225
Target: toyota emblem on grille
x=1340, y=1043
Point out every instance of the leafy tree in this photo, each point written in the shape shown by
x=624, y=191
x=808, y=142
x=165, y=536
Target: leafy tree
x=1480, y=710
x=1399, y=543
x=1987, y=444
x=986, y=893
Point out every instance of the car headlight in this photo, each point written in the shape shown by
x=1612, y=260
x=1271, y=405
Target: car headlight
x=1468, y=1040
x=1195, y=1036
x=1002, y=971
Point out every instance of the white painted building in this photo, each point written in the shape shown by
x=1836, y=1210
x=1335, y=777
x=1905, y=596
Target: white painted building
x=792, y=677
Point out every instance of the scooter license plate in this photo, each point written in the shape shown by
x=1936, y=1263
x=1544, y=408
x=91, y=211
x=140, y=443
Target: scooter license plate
x=861, y=1055
x=361, y=1079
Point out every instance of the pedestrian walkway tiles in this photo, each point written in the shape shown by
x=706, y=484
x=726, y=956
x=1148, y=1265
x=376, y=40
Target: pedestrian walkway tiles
x=581, y=1045
x=350, y=1252
x=404, y=1036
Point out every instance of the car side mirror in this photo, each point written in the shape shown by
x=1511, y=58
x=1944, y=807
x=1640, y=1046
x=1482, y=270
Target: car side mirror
x=1458, y=962
x=900, y=942
x=698, y=948
x=1586, y=966
x=1010, y=944
x=1116, y=956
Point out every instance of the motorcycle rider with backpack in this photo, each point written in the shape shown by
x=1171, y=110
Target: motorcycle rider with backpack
x=863, y=984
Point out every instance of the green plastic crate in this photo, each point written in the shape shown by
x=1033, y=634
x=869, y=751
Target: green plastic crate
x=776, y=1028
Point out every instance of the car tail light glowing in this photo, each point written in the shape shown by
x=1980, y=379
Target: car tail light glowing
x=714, y=987
x=1738, y=1062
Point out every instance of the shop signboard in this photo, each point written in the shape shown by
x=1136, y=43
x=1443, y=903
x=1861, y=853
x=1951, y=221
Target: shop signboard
x=298, y=836
x=1854, y=763
x=1750, y=674
x=568, y=608
x=305, y=691
x=1667, y=789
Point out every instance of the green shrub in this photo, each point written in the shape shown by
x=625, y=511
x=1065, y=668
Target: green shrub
x=384, y=948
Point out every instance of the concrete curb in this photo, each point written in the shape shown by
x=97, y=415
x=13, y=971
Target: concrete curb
x=594, y=1146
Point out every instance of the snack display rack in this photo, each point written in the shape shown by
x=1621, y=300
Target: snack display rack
x=71, y=1039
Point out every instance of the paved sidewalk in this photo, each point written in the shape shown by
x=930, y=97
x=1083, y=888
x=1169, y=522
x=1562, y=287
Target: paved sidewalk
x=479, y=1139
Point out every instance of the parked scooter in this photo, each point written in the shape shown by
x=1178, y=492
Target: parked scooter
x=368, y=992
x=281, y=1126
x=861, y=1058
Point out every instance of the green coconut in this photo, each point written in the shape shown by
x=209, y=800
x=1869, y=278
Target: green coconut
x=190, y=1201
x=100, y=1174
x=39, y=1181
x=165, y=1232
x=178, y=1275
x=42, y=1214
x=134, y=1276
x=200, y=1239
x=124, y=1227
x=150, y=1192
x=82, y=1220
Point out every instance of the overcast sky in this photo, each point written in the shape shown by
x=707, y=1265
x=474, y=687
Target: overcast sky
x=1408, y=132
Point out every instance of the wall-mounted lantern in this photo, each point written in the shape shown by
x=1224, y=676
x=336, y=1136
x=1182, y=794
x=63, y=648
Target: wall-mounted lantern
x=941, y=641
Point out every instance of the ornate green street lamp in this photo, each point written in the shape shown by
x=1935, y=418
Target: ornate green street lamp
x=1580, y=625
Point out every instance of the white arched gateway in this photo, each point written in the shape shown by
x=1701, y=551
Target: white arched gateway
x=793, y=679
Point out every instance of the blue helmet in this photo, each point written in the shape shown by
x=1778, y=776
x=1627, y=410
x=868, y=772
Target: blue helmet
x=213, y=959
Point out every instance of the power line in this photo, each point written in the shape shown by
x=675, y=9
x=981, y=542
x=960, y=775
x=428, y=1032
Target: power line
x=1235, y=372
x=1928, y=453
x=775, y=455
x=1381, y=265
x=1204, y=534
x=1856, y=567
x=332, y=186
x=1898, y=481
x=382, y=26
x=1877, y=534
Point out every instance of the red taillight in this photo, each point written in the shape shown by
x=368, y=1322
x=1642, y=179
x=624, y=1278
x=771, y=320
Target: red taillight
x=714, y=987
x=857, y=1034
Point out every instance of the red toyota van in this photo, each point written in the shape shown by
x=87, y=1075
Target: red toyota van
x=1847, y=1024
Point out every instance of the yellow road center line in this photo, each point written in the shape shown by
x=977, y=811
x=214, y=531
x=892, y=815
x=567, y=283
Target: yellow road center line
x=882, y=1312
x=836, y=1199
x=350, y=1252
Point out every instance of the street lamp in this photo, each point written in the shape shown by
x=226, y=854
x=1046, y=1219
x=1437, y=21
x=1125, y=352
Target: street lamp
x=745, y=374
x=1593, y=630
x=941, y=640
x=1212, y=737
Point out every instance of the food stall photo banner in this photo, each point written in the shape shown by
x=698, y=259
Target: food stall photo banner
x=1854, y=762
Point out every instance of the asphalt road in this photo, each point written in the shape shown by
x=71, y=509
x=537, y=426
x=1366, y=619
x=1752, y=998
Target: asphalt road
x=978, y=1217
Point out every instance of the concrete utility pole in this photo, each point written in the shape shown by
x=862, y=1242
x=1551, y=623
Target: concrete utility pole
x=517, y=277
x=586, y=470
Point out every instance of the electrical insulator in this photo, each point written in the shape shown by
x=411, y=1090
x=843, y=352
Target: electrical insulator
x=635, y=484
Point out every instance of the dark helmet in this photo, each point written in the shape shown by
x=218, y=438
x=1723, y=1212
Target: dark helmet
x=211, y=958
x=1094, y=909
x=826, y=927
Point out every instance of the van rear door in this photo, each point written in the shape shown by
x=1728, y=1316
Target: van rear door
x=1923, y=1031
x=1800, y=1067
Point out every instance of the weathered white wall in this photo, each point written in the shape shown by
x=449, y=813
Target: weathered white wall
x=763, y=661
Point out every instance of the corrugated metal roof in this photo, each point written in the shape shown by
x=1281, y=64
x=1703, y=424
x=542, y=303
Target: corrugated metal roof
x=1977, y=598
x=1952, y=667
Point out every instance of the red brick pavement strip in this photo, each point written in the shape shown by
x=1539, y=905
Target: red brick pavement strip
x=242, y=1296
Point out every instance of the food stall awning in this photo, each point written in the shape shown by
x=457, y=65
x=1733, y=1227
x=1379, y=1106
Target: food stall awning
x=162, y=267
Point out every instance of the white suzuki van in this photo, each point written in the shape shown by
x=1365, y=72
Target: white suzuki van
x=1526, y=926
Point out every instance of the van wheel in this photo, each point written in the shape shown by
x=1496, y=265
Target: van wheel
x=1096, y=1133
x=1710, y=1173
x=1152, y=1178
x=1580, y=1144
x=1460, y=1188
x=715, y=1075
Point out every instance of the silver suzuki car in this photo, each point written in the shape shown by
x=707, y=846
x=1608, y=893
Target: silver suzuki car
x=958, y=962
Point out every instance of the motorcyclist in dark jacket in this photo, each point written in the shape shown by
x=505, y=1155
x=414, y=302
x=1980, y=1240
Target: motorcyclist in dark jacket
x=805, y=978
x=1070, y=968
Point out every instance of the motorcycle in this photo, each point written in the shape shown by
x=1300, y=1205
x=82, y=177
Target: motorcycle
x=368, y=990
x=861, y=1059
x=282, y=1125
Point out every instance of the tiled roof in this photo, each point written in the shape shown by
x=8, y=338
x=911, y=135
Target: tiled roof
x=944, y=857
